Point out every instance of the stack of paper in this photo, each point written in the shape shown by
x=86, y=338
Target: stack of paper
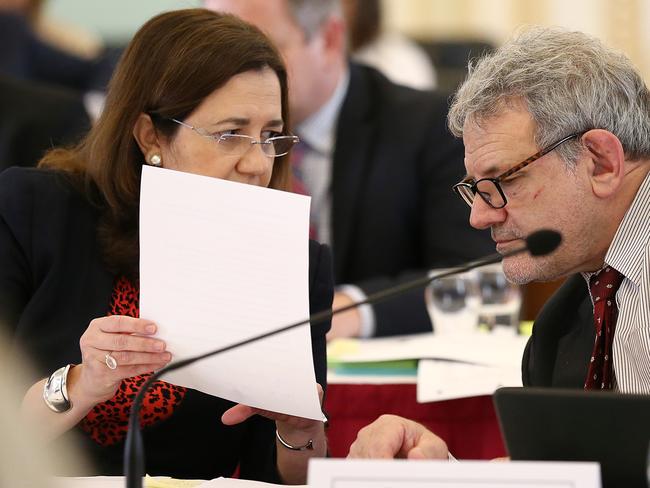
x=449, y=365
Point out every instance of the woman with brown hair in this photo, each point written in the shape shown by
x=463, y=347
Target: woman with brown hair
x=195, y=91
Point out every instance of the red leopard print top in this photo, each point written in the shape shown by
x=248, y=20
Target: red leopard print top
x=107, y=423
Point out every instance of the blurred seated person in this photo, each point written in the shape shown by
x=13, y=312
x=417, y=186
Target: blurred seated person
x=378, y=162
x=27, y=56
x=189, y=84
x=392, y=53
x=582, y=111
x=36, y=117
x=25, y=458
x=67, y=36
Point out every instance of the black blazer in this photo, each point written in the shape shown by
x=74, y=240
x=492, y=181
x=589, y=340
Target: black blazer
x=24, y=55
x=53, y=282
x=558, y=352
x=394, y=215
x=35, y=118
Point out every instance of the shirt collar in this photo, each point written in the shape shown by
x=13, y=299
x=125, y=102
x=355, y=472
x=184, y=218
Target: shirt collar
x=318, y=130
x=625, y=254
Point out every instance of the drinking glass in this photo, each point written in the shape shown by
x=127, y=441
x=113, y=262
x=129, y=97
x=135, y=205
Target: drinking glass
x=500, y=299
x=453, y=302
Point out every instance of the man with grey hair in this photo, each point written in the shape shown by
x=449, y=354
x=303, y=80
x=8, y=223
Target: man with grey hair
x=583, y=112
x=377, y=160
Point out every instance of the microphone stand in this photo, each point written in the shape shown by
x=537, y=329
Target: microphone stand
x=134, y=447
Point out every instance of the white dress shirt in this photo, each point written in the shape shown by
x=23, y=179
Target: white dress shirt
x=629, y=253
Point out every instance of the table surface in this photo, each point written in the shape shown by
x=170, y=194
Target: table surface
x=469, y=426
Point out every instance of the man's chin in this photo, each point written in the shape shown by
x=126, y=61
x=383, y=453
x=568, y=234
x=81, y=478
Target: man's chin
x=520, y=271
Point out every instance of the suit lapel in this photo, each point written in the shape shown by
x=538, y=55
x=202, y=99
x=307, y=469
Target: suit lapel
x=354, y=134
x=561, y=332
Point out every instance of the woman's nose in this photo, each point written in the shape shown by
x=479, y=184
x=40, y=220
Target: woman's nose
x=254, y=161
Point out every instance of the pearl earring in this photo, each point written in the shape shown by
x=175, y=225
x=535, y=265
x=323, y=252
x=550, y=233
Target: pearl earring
x=155, y=160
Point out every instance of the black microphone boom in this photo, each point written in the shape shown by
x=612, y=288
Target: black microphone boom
x=538, y=243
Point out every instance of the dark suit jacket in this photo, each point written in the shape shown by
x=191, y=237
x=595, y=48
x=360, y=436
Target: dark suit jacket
x=558, y=352
x=394, y=215
x=25, y=56
x=53, y=282
x=35, y=118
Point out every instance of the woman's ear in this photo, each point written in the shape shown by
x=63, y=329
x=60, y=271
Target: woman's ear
x=606, y=162
x=147, y=138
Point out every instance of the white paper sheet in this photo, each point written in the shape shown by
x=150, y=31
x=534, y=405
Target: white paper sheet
x=334, y=378
x=462, y=365
x=477, y=348
x=237, y=483
x=445, y=380
x=119, y=482
x=221, y=262
x=342, y=473
x=89, y=482
x=160, y=482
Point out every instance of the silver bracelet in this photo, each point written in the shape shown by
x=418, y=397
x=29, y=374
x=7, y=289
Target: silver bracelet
x=55, y=391
x=307, y=447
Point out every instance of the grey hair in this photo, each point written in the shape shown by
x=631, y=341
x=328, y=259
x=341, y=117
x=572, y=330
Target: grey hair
x=310, y=15
x=569, y=82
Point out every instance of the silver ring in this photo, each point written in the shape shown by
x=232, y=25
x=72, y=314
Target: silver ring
x=110, y=361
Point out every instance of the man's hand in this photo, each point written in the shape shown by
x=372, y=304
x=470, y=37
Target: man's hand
x=391, y=436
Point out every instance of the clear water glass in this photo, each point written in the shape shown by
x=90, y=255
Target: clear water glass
x=453, y=303
x=500, y=299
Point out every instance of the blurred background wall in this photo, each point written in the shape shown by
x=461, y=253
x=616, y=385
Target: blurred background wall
x=624, y=24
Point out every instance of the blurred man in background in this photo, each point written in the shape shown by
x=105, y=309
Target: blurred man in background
x=377, y=160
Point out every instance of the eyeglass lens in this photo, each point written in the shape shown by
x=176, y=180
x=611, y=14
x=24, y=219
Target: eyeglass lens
x=490, y=193
x=487, y=190
x=236, y=143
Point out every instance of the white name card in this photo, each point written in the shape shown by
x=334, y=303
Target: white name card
x=344, y=473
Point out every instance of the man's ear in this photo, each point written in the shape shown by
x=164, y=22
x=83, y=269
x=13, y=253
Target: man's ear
x=334, y=36
x=146, y=136
x=606, y=161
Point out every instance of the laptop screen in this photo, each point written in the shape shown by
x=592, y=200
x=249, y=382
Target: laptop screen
x=575, y=425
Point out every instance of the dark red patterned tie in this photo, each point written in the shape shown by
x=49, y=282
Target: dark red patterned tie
x=603, y=287
x=297, y=179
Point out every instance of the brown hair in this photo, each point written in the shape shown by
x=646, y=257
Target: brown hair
x=173, y=63
x=364, y=22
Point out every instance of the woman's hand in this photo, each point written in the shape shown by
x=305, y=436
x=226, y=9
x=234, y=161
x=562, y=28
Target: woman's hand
x=297, y=431
x=285, y=423
x=127, y=340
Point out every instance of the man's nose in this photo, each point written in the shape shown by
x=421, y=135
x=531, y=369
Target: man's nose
x=483, y=216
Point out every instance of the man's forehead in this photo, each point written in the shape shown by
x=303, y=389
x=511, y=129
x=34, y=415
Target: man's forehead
x=493, y=144
x=512, y=121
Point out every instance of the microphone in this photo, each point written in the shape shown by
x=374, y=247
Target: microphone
x=538, y=243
